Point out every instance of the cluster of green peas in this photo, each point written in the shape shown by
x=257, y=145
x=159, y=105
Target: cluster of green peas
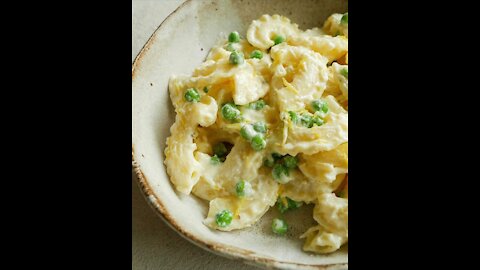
x=242, y=188
x=279, y=225
x=231, y=113
x=237, y=57
x=224, y=218
x=255, y=134
x=281, y=165
x=220, y=152
x=320, y=109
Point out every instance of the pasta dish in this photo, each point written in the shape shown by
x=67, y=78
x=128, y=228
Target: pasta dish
x=263, y=122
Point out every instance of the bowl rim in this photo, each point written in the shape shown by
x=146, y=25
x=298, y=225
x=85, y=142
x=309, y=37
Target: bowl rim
x=231, y=252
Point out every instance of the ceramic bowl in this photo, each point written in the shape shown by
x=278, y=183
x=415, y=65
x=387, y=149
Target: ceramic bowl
x=180, y=44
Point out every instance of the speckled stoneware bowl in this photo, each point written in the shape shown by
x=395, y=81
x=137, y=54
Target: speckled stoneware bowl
x=180, y=44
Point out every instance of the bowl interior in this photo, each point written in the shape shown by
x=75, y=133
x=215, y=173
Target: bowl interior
x=179, y=45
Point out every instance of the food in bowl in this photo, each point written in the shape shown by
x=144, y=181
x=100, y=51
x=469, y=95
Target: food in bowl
x=264, y=121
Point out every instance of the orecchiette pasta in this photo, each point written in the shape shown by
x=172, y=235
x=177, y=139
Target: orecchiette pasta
x=264, y=120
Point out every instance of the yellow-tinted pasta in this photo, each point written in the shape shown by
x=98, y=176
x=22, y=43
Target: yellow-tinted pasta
x=334, y=27
x=263, y=31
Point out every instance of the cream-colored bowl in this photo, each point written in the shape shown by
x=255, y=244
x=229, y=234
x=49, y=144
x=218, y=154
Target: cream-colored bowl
x=180, y=44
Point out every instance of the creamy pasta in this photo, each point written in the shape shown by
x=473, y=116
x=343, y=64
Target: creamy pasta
x=264, y=121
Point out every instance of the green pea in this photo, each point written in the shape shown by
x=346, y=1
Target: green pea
x=215, y=160
x=268, y=162
x=247, y=132
x=320, y=105
x=230, y=112
x=344, y=72
x=279, y=171
x=256, y=54
x=243, y=188
x=258, y=142
x=293, y=204
x=278, y=39
x=224, y=218
x=240, y=188
x=220, y=149
x=293, y=117
x=230, y=47
x=290, y=162
x=282, y=207
x=306, y=120
x=260, y=127
x=236, y=58
x=316, y=105
x=344, y=19
x=192, y=95
x=287, y=204
x=279, y=226
x=257, y=105
x=234, y=37
x=318, y=121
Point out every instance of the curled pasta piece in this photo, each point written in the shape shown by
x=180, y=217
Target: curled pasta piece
x=333, y=26
x=176, y=87
x=342, y=80
x=318, y=138
x=307, y=190
x=299, y=76
x=246, y=211
x=219, y=180
x=205, y=111
x=331, y=212
x=332, y=48
x=242, y=163
x=314, y=32
x=244, y=81
x=206, y=188
x=319, y=241
x=249, y=85
x=332, y=89
x=261, y=32
x=337, y=157
x=323, y=172
x=182, y=167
